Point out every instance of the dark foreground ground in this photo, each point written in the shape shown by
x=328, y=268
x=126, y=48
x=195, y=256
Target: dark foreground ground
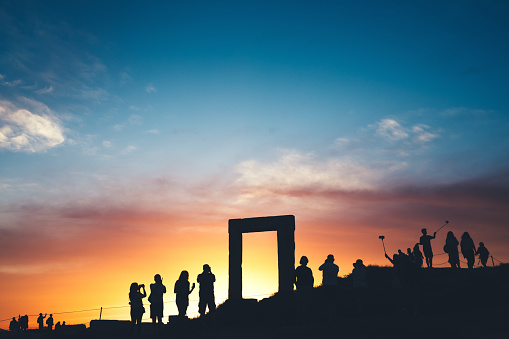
x=441, y=303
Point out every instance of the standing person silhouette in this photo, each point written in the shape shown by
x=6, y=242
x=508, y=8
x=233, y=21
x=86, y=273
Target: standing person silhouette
x=451, y=248
x=206, y=280
x=23, y=323
x=157, y=289
x=410, y=255
x=329, y=284
x=359, y=284
x=136, y=302
x=304, y=282
x=425, y=241
x=182, y=292
x=49, y=322
x=468, y=249
x=483, y=253
x=40, y=320
x=418, y=257
x=14, y=325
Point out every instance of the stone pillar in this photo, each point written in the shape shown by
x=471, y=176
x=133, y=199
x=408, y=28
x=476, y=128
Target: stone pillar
x=235, y=265
x=286, y=258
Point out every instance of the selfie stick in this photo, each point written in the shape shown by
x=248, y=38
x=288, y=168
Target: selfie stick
x=383, y=237
x=446, y=222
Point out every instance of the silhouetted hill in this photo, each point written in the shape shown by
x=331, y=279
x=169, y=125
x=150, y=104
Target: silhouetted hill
x=443, y=303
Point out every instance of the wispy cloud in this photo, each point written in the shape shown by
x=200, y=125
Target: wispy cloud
x=423, y=133
x=9, y=83
x=12, y=83
x=456, y=111
x=392, y=130
x=135, y=119
x=294, y=172
x=132, y=120
x=125, y=79
x=129, y=149
x=27, y=131
x=45, y=90
x=150, y=88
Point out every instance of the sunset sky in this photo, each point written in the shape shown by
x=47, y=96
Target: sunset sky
x=130, y=132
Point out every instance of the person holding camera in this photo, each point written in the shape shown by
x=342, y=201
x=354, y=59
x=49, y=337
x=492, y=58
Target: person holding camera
x=206, y=280
x=136, y=302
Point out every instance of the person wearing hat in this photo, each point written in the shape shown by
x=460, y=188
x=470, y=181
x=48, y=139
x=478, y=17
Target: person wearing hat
x=359, y=283
x=359, y=274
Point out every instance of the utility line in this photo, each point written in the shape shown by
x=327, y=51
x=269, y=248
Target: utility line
x=117, y=307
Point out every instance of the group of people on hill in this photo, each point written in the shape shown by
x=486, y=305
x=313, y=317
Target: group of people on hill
x=182, y=289
x=22, y=323
x=304, y=282
x=467, y=248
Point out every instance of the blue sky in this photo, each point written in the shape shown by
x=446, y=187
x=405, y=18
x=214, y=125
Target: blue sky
x=386, y=113
x=227, y=80
x=195, y=89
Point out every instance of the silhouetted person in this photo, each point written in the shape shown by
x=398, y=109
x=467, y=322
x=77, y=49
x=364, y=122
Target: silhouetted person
x=330, y=284
x=468, y=249
x=23, y=323
x=14, y=325
x=410, y=255
x=206, y=280
x=57, y=326
x=157, y=289
x=49, y=322
x=394, y=260
x=483, y=253
x=407, y=269
x=63, y=324
x=182, y=292
x=304, y=276
x=403, y=258
x=40, y=320
x=425, y=241
x=304, y=282
x=418, y=257
x=451, y=248
x=359, y=284
x=136, y=302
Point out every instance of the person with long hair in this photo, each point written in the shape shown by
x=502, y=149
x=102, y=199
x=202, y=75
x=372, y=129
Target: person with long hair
x=136, y=302
x=182, y=292
x=468, y=249
x=451, y=248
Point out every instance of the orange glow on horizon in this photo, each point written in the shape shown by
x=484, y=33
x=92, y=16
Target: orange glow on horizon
x=102, y=277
